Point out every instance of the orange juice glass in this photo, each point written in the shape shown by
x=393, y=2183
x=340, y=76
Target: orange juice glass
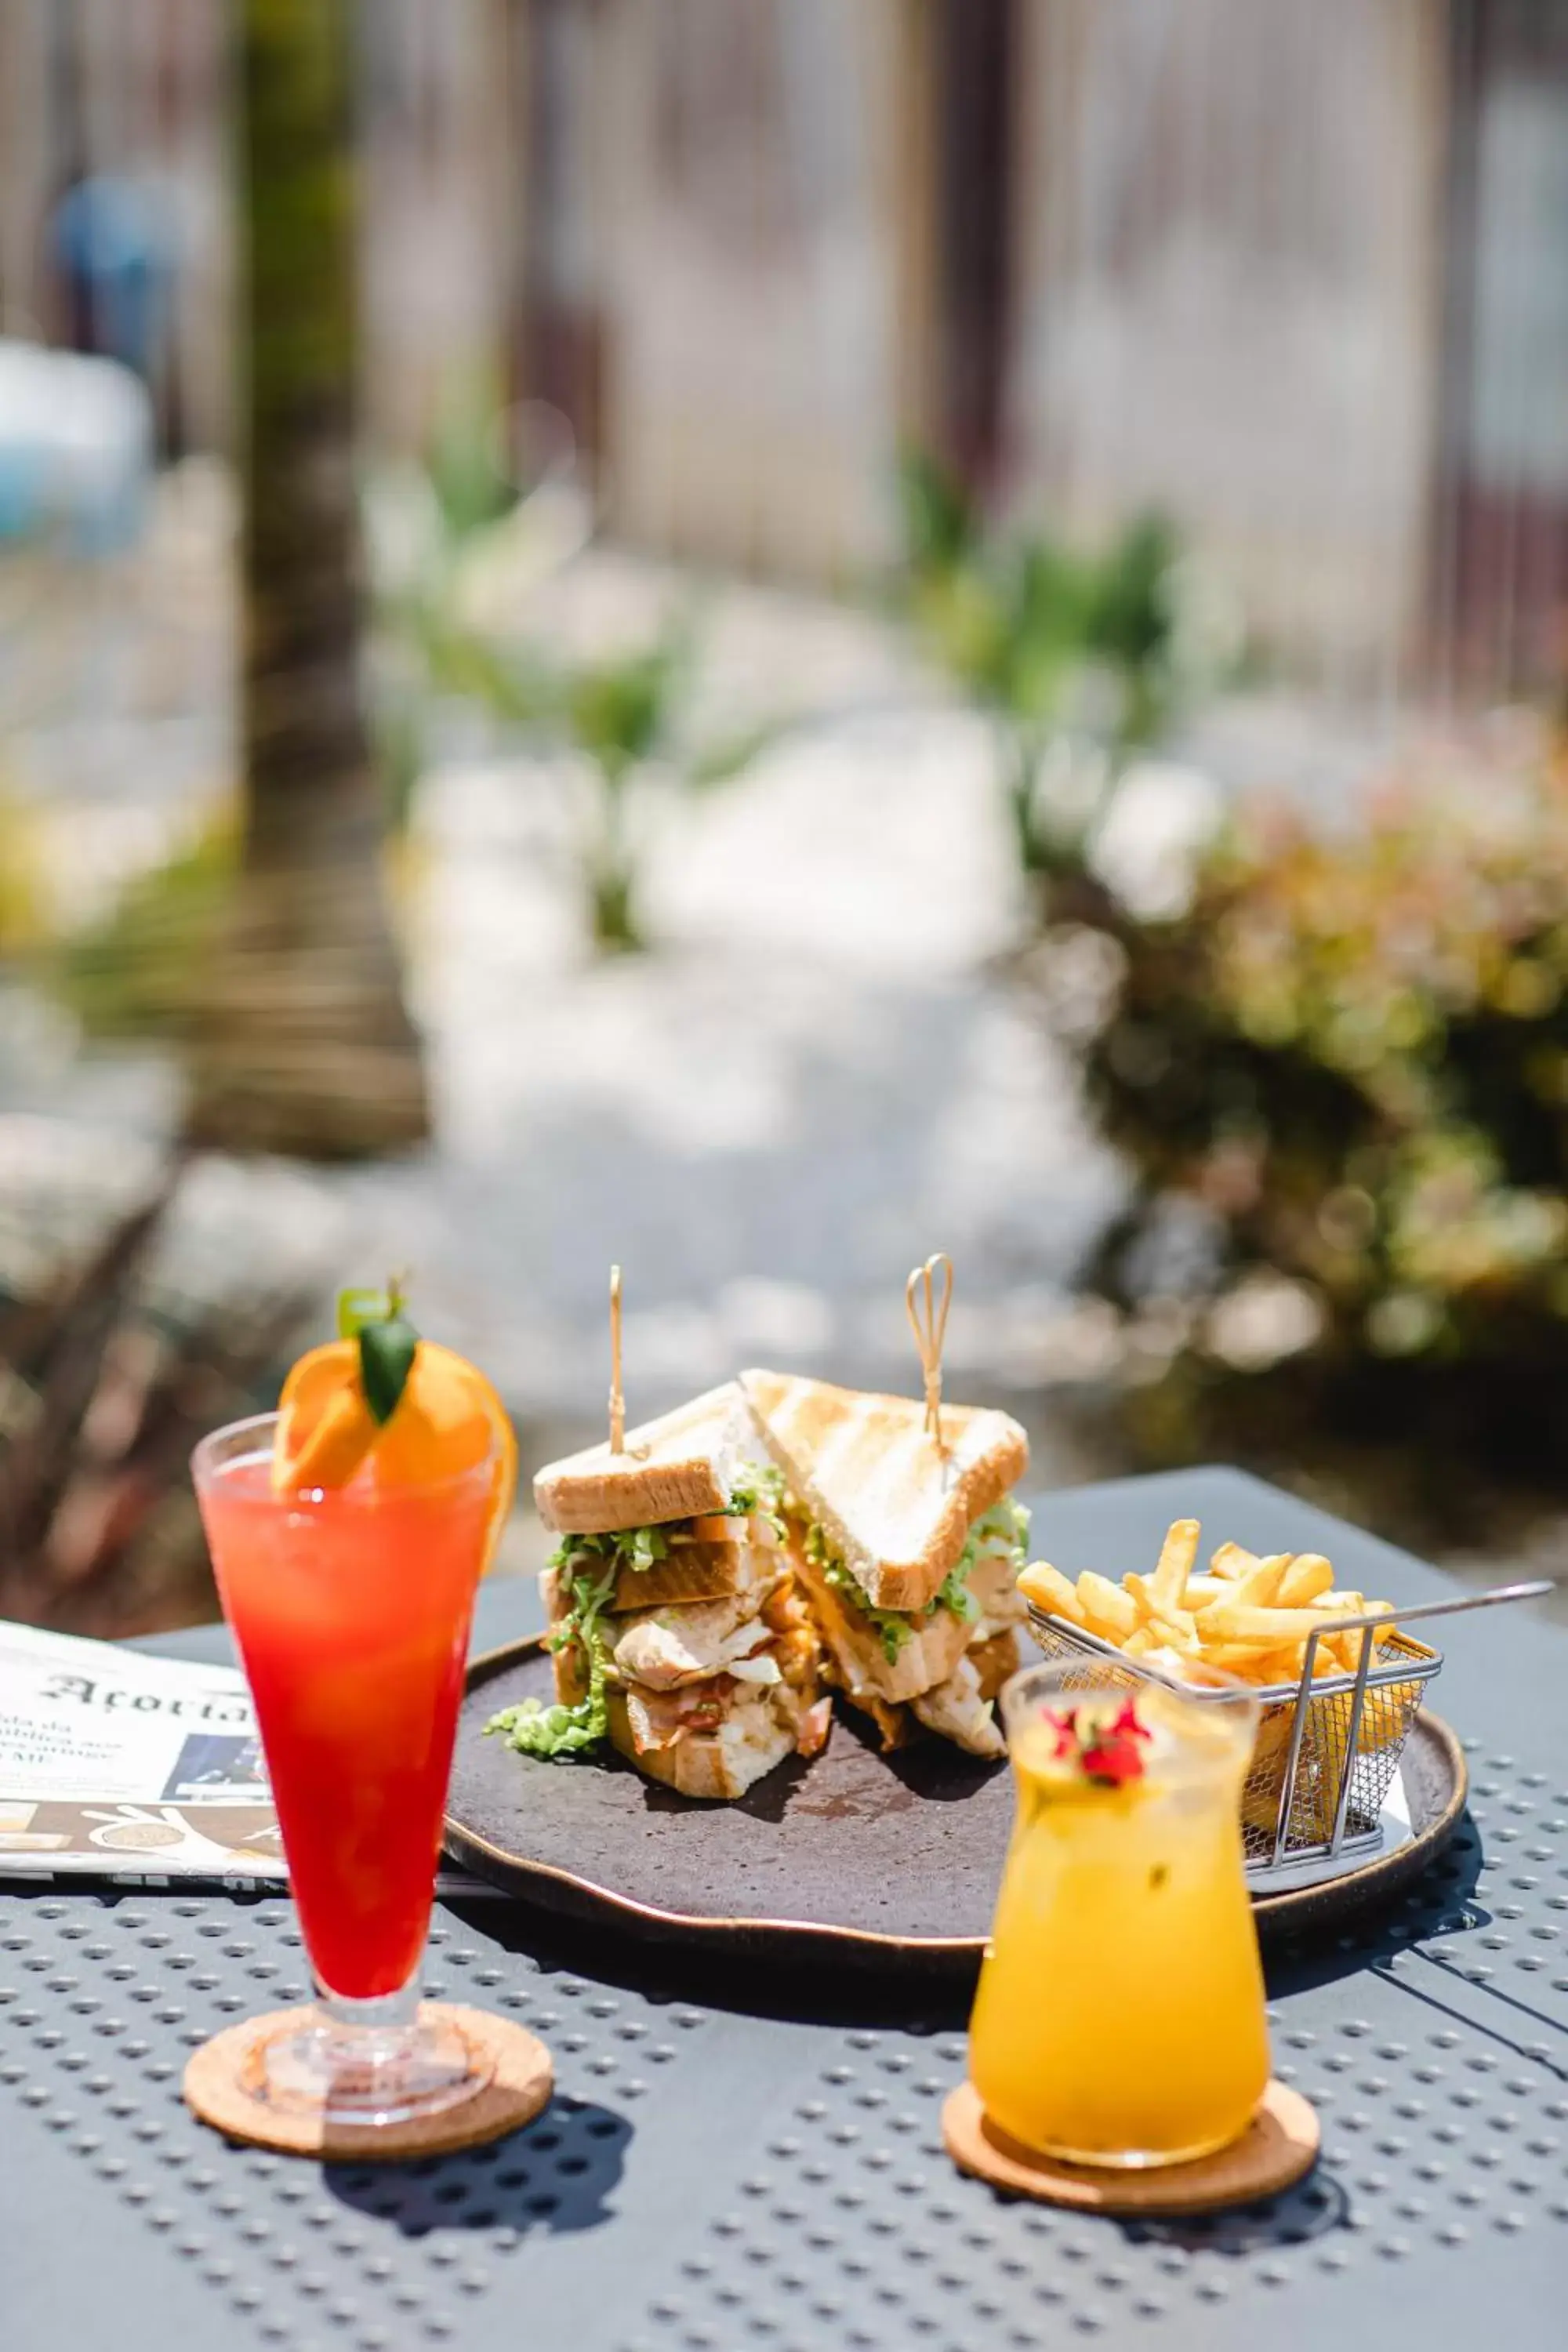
x=351, y=1608
x=1119, y=2017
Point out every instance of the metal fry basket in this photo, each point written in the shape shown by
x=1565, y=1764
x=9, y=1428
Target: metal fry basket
x=1328, y=1745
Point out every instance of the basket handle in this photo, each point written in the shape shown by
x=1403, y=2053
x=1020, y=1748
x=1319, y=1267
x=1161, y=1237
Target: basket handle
x=1366, y=1626
x=1535, y=1591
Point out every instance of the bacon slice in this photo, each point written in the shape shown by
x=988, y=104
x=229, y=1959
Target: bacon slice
x=659, y=1718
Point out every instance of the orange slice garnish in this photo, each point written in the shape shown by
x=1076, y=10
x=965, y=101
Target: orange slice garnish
x=447, y=1419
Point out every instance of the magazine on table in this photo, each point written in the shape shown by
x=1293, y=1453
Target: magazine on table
x=118, y=1765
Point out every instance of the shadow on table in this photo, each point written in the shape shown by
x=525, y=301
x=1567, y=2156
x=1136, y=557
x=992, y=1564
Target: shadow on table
x=554, y=2175
x=802, y=1990
x=936, y=1996
x=1312, y=2210
x=1426, y=1929
x=1442, y=1903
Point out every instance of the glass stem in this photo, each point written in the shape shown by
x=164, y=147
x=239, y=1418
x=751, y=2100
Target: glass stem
x=372, y=2030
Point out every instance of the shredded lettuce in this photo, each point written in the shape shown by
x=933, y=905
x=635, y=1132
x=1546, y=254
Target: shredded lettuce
x=953, y=1593
x=1001, y=1531
x=590, y=1566
x=891, y=1630
x=622, y=1547
x=534, y=1729
x=887, y=1623
x=1005, y=1529
x=758, y=1493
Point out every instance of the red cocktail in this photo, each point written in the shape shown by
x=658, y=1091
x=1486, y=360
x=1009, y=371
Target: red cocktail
x=351, y=1605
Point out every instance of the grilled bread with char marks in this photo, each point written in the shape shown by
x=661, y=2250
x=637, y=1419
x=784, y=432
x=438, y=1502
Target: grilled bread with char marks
x=896, y=1508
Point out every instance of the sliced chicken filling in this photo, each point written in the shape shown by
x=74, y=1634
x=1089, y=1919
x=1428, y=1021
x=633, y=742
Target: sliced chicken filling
x=694, y=1669
x=956, y=1709
x=994, y=1586
x=682, y=1643
x=722, y=1705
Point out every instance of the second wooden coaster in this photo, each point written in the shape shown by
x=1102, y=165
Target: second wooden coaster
x=1278, y=2147
x=222, y=2076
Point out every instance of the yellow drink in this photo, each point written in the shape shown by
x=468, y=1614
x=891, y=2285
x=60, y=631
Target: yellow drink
x=1120, y=2018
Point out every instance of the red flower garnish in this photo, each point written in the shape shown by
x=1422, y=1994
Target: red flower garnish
x=1105, y=1747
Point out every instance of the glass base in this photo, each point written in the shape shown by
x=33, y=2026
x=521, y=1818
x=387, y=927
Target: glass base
x=1133, y=2159
x=372, y=2072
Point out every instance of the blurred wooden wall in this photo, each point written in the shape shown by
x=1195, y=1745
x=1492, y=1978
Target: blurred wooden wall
x=1294, y=269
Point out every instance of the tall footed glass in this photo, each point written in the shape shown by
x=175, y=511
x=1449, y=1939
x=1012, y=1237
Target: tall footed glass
x=350, y=1606
x=1119, y=2017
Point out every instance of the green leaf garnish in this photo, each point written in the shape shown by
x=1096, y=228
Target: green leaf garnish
x=386, y=1353
x=388, y=1344
x=358, y=1307
x=1004, y=1530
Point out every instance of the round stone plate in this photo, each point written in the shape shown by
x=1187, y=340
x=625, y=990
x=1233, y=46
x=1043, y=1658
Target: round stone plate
x=889, y=1859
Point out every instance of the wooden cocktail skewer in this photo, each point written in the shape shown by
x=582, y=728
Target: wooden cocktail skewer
x=617, y=1402
x=930, y=1329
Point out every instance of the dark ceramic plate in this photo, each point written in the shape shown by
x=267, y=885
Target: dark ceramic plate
x=890, y=1860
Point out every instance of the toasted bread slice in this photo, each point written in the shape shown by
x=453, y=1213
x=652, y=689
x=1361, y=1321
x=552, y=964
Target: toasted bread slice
x=693, y=1570
x=928, y=1654
x=755, y=1735
x=680, y=1467
x=896, y=1508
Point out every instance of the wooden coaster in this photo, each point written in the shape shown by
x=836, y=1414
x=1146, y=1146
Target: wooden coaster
x=1278, y=2148
x=222, y=2076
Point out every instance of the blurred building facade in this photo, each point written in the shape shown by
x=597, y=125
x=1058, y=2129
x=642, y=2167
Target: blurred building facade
x=1294, y=270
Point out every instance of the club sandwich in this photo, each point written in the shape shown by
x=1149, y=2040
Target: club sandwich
x=908, y=1551
x=676, y=1625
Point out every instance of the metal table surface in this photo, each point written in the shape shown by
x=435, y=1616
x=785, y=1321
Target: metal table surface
x=735, y=2161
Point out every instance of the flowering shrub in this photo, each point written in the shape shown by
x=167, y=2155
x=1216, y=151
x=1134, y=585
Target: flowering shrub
x=1352, y=1053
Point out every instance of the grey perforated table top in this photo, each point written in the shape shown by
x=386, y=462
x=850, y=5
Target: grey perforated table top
x=738, y=2162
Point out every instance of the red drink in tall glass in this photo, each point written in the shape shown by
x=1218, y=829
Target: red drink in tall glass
x=351, y=1605
x=351, y=1609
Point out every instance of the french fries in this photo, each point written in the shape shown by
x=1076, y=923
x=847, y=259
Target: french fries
x=1106, y=1609
x=1251, y=1615
x=1177, y=1554
x=1254, y=1616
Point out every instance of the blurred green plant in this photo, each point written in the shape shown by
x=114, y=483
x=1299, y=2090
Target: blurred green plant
x=1352, y=1053
x=138, y=970
x=1053, y=644
x=625, y=720
x=25, y=911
